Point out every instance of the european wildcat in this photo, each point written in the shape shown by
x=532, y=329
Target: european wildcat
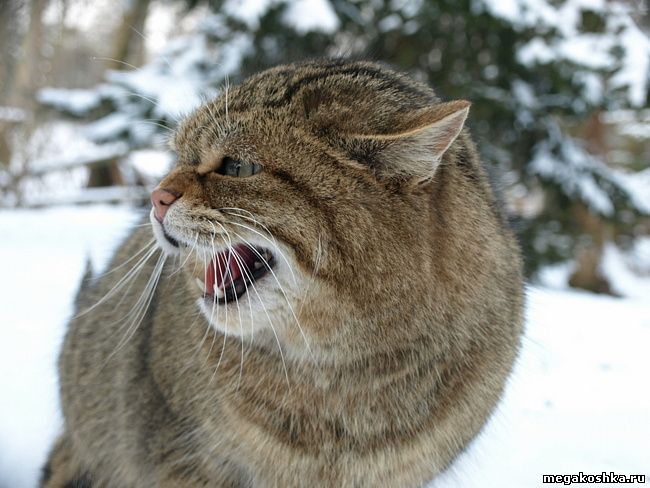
x=344, y=309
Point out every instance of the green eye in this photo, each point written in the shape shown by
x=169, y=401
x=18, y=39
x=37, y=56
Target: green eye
x=231, y=167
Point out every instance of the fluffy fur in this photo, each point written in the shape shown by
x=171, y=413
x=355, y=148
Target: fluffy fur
x=373, y=353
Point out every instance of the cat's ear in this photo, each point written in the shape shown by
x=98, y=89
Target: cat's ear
x=414, y=146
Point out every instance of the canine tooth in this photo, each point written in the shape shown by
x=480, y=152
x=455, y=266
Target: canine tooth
x=200, y=284
x=257, y=265
x=218, y=292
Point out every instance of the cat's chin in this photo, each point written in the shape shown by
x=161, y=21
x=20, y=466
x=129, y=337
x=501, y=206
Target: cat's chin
x=248, y=315
x=243, y=289
x=167, y=243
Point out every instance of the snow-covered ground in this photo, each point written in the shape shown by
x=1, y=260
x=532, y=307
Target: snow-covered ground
x=578, y=400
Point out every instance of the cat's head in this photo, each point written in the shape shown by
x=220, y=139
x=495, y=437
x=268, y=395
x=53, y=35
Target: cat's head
x=301, y=200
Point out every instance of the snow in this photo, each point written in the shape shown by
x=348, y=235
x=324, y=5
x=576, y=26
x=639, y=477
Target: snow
x=108, y=127
x=577, y=401
x=574, y=172
x=584, y=49
x=248, y=11
x=624, y=271
x=107, y=151
x=389, y=23
x=311, y=15
x=631, y=123
x=151, y=164
x=42, y=257
x=11, y=114
x=635, y=71
x=639, y=256
x=637, y=187
x=104, y=194
x=567, y=163
x=76, y=101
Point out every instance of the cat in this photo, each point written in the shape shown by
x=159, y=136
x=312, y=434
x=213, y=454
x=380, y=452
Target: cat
x=331, y=297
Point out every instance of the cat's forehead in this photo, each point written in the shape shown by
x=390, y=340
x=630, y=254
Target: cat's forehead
x=357, y=97
x=304, y=86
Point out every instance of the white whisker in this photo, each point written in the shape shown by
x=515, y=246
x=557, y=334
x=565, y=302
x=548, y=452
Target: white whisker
x=272, y=242
x=121, y=282
x=149, y=244
x=286, y=298
x=140, y=308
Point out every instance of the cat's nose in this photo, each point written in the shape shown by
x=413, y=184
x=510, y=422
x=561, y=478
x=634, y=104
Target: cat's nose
x=161, y=200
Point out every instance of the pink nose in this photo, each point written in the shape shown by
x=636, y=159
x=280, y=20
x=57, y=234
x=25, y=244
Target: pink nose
x=161, y=200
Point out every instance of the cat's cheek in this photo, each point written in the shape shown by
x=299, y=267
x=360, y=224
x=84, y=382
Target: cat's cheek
x=266, y=310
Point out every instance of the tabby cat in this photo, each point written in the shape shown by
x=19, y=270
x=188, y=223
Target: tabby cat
x=330, y=297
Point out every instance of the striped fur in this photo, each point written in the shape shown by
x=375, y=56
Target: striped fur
x=407, y=288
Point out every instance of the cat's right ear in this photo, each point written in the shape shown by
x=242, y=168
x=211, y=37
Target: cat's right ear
x=415, y=144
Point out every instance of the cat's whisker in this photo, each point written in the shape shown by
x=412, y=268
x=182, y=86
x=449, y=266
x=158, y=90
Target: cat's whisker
x=144, y=305
x=232, y=254
x=241, y=329
x=156, y=123
x=121, y=282
x=228, y=275
x=266, y=312
x=225, y=322
x=191, y=325
x=242, y=266
x=317, y=263
x=146, y=247
x=227, y=87
x=214, y=128
x=196, y=239
x=125, y=294
x=138, y=226
x=250, y=306
x=250, y=217
x=274, y=243
x=208, y=325
x=211, y=262
x=139, y=310
x=286, y=298
x=146, y=39
x=101, y=58
x=140, y=95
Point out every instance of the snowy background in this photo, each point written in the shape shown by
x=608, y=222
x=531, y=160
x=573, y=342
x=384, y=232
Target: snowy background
x=577, y=401
x=91, y=91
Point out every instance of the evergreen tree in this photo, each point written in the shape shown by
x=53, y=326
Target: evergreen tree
x=538, y=75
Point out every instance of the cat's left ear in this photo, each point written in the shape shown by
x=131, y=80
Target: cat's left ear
x=415, y=144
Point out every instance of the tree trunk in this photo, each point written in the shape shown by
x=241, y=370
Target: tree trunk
x=10, y=33
x=128, y=51
x=128, y=47
x=29, y=73
x=23, y=79
x=588, y=257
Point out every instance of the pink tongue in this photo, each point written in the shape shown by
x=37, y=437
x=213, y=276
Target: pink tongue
x=225, y=268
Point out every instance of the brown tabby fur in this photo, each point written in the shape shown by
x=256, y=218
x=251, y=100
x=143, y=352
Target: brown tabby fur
x=409, y=295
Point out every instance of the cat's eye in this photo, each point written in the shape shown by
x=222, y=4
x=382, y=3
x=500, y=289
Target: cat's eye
x=238, y=169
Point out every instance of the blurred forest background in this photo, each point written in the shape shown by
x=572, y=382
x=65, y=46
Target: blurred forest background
x=90, y=91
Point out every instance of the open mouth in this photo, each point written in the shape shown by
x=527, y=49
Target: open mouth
x=230, y=272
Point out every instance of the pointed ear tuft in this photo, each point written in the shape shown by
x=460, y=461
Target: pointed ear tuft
x=415, y=146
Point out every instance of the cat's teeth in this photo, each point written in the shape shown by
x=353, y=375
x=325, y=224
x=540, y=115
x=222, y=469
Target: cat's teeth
x=257, y=265
x=199, y=282
x=219, y=292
